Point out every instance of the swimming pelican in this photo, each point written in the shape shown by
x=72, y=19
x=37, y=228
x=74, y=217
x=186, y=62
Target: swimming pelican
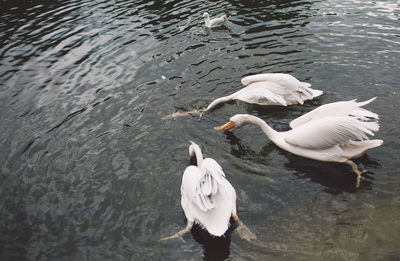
x=334, y=132
x=213, y=22
x=271, y=89
x=208, y=198
x=264, y=89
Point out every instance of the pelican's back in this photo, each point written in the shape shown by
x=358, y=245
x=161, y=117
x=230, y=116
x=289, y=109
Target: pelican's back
x=218, y=21
x=279, y=78
x=216, y=220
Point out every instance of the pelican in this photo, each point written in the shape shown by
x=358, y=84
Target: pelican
x=264, y=89
x=208, y=199
x=271, y=89
x=335, y=132
x=214, y=22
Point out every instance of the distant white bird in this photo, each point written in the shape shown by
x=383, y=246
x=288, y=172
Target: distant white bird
x=213, y=22
x=334, y=132
x=208, y=198
x=271, y=89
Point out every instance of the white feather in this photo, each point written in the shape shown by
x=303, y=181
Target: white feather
x=328, y=132
x=341, y=108
x=271, y=89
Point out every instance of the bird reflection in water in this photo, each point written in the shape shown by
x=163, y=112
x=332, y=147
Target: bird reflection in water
x=215, y=248
x=335, y=176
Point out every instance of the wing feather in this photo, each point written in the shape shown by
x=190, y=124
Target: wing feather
x=213, y=175
x=341, y=108
x=283, y=79
x=285, y=85
x=217, y=21
x=191, y=191
x=327, y=132
x=260, y=93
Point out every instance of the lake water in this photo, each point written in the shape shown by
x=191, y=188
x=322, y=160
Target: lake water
x=90, y=171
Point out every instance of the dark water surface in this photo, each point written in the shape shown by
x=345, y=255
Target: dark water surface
x=89, y=171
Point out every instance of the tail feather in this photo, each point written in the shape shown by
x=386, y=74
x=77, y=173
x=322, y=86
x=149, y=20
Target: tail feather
x=375, y=143
x=364, y=114
x=360, y=104
x=305, y=84
x=312, y=93
x=369, y=127
x=356, y=149
x=316, y=93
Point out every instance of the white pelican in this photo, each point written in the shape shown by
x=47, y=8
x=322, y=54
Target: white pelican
x=213, y=22
x=271, y=89
x=264, y=89
x=208, y=199
x=334, y=132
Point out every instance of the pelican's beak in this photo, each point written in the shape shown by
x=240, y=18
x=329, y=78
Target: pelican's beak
x=230, y=125
x=202, y=16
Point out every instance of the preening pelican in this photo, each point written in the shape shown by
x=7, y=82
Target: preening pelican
x=334, y=132
x=264, y=89
x=213, y=22
x=208, y=198
x=271, y=89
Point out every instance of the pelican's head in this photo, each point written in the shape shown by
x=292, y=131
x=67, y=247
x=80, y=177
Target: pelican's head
x=205, y=15
x=235, y=122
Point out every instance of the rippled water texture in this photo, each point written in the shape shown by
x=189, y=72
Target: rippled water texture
x=89, y=171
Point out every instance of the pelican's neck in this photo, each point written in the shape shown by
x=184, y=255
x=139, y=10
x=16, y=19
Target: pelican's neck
x=195, y=150
x=218, y=101
x=271, y=133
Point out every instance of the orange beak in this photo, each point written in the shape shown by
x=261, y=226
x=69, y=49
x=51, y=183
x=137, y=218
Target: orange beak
x=227, y=126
